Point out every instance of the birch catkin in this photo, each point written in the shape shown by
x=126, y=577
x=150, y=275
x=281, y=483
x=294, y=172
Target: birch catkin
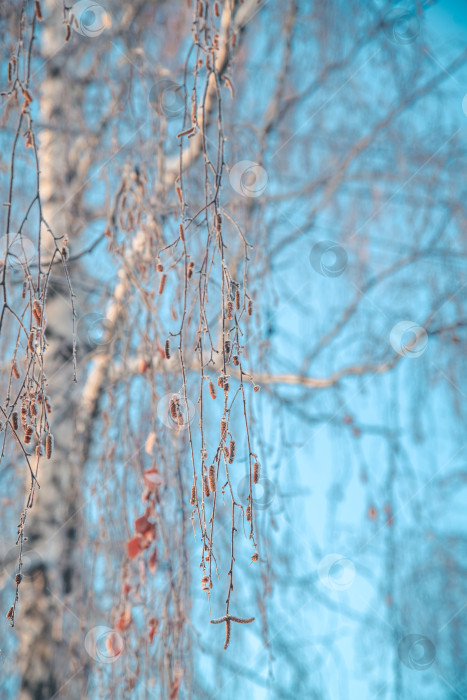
x=212, y=478
x=37, y=312
x=162, y=283
x=49, y=445
x=256, y=472
x=232, y=451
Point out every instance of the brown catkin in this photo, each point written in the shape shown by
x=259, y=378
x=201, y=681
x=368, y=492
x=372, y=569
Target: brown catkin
x=27, y=95
x=232, y=451
x=174, y=408
x=212, y=478
x=182, y=232
x=235, y=360
x=216, y=9
x=223, y=428
x=256, y=472
x=227, y=633
x=37, y=311
x=237, y=299
x=162, y=283
x=250, y=308
x=14, y=369
x=23, y=293
x=189, y=271
x=193, y=495
x=15, y=420
x=33, y=408
x=28, y=434
x=226, y=387
x=167, y=349
x=212, y=390
x=49, y=446
x=218, y=222
x=220, y=382
x=38, y=10
x=160, y=267
x=68, y=32
x=227, y=346
x=248, y=513
x=31, y=341
x=207, y=492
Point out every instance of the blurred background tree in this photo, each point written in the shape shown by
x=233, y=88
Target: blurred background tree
x=233, y=272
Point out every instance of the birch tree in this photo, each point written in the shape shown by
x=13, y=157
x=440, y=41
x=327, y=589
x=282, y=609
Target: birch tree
x=224, y=243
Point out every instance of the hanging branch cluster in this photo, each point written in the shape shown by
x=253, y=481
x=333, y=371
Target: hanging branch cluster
x=216, y=284
x=24, y=279
x=200, y=263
